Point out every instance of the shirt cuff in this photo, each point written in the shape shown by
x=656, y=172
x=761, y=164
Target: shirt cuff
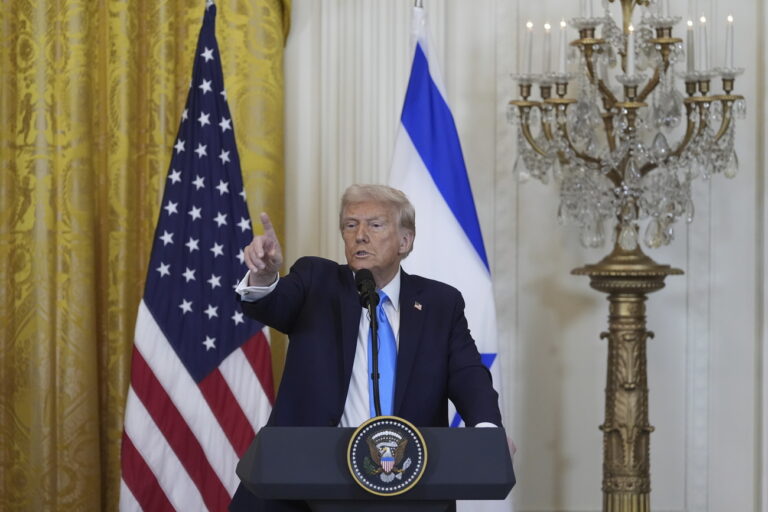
x=254, y=293
x=486, y=424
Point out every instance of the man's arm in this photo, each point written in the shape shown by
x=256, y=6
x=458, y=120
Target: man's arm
x=470, y=386
x=260, y=296
x=280, y=304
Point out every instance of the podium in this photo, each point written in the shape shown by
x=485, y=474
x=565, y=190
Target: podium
x=309, y=463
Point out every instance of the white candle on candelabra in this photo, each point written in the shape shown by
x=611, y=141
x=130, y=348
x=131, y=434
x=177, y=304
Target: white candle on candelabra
x=547, y=47
x=729, y=43
x=589, y=9
x=703, y=50
x=631, y=51
x=665, y=8
x=689, y=53
x=562, y=56
x=528, y=47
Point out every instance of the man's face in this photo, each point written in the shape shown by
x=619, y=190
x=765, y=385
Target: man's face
x=373, y=239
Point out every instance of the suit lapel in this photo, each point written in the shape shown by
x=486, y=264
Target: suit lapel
x=349, y=318
x=411, y=324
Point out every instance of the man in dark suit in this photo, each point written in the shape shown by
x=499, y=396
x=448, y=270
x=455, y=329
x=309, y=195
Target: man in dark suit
x=325, y=382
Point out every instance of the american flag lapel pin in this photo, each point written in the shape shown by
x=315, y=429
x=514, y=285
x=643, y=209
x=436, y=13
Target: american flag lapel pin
x=417, y=305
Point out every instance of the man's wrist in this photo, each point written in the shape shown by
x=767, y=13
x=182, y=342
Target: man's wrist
x=261, y=278
x=250, y=293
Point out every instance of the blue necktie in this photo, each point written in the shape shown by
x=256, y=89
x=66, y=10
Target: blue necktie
x=387, y=361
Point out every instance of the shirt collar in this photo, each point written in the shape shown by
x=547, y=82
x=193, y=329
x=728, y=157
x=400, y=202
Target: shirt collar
x=392, y=289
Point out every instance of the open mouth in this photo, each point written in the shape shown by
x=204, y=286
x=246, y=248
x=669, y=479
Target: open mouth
x=361, y=254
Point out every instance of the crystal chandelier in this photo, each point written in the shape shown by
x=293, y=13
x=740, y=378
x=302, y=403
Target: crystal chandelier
x=627, y=147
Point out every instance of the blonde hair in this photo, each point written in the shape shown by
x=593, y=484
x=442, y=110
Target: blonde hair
x=382, y=194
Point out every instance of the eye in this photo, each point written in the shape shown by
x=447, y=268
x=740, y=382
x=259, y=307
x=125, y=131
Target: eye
x=377, y=224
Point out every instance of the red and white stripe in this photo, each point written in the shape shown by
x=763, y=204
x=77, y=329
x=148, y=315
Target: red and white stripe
x=182, y=440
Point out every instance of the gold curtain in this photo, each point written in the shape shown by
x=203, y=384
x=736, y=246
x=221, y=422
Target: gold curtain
x=91, y=93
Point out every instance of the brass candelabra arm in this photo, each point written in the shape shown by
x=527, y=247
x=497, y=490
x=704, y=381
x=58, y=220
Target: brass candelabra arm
x=617, y=175
x=689, y=129
x=525, y=106
x=546, y=129
x=608, y=127
x=703, y=103
x=587, y=51
x=529, y=138
x=689, y=126
x=609, y=99
x=647, y=168
x=727, y=101
x=583, y=156
x=650, y=86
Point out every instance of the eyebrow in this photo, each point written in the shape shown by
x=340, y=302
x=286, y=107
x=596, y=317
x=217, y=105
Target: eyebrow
x=367, y=219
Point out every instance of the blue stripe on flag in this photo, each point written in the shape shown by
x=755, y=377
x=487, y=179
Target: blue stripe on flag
x=429, y=122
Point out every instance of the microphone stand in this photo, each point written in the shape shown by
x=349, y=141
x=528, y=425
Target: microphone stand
x=374, y=356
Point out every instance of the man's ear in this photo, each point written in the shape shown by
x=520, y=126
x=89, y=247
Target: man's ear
x=406, y=241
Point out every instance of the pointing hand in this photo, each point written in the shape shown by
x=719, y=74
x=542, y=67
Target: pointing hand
x=263, y=256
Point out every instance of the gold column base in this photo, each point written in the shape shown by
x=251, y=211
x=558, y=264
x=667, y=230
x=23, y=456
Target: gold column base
x=627, y=502
x=626, y=276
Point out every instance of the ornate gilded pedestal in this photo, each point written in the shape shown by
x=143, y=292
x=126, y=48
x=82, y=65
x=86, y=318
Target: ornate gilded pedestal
x=624, y=148
x=626, y=276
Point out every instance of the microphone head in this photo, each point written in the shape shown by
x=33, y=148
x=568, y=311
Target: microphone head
x=366, y=287
x=362, y=278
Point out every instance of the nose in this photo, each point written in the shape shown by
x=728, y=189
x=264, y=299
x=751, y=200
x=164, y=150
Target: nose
x=361, y=235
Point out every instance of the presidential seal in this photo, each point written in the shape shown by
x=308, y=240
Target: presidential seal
x=386, y=455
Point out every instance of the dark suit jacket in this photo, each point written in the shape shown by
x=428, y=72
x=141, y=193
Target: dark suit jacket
x=318, y=307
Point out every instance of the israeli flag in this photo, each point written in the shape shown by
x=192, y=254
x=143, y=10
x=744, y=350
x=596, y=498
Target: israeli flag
x=428, y=166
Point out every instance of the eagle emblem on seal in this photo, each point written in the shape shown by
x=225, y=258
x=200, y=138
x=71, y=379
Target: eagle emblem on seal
x=387, y=449
x=386, y=456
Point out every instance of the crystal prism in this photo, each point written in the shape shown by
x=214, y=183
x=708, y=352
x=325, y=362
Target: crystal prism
x=631, y=174
x=628, y=237
x=653, y=234
x=732, y=167
x=660, y=146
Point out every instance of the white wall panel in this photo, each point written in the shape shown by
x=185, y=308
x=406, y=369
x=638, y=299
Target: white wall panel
x=761, y=302
x=347, y=63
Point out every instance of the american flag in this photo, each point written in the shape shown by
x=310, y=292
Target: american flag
x=201, y=377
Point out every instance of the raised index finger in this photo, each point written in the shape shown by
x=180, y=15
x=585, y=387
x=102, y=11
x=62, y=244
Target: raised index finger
x=269, y=230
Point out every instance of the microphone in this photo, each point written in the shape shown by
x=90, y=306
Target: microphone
x=366, y=287
x=369, y=299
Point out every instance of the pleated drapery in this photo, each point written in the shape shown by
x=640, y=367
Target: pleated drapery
x=91, y=93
